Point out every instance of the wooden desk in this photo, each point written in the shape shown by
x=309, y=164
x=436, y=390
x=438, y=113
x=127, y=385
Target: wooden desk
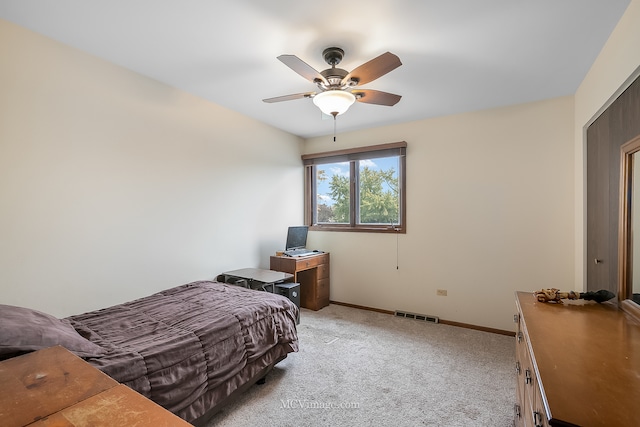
x=577, y=364
x=312, y=272
x=54, y=387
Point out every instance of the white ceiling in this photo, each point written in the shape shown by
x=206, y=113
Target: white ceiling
x=457, y=55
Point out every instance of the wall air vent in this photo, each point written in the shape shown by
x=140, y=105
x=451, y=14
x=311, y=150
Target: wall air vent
x=415, y=316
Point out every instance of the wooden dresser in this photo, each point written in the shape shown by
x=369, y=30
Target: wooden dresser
x=312, y=272
x=55, y=388
x=577, y=364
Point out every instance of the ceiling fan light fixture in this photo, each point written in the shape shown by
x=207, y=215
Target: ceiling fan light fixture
x=334, y=102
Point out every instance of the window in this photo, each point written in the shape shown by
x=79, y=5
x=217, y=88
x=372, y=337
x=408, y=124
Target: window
x=361, y=189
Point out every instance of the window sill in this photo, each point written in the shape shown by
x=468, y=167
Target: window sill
x=359, y=229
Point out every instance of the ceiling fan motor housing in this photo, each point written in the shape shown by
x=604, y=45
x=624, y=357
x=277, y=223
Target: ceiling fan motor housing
x=333, y=55
x=334, y=76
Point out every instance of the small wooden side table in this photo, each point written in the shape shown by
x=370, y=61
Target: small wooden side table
x=55, y=388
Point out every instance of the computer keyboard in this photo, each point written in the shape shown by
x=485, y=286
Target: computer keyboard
x=299, y=252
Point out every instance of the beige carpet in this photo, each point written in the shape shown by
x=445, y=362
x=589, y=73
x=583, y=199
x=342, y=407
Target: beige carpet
x=362, y=368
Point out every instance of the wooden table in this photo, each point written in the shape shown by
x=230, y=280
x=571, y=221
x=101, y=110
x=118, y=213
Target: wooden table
x=257, y=277
x=54, y=387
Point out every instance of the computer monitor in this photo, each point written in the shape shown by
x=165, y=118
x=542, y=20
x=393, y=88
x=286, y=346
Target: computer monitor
x=296, y=237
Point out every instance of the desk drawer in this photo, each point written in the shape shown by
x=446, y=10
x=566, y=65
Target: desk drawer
x=323, y=291
x=293, y=265
x=323, y=271
x=310, y=262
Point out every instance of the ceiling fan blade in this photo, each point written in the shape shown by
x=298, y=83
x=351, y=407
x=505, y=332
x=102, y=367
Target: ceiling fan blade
x=369, y=96
x=377, y=67
x=302, y=68
x=290, y=97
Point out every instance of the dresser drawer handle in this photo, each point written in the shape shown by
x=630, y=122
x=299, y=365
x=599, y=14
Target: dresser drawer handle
x=516, y=411
x=518, y=369
x=527, y=377
x=520, y=336
x=537, y=419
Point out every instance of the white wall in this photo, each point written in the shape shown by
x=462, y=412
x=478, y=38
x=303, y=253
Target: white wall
x=489, y=212
x=615, y=68
x=113, y=185
x=478, y=254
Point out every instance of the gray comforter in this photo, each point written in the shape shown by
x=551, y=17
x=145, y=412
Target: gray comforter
x=189, y=347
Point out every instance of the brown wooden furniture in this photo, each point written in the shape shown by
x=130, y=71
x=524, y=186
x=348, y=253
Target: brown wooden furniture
x=577, y=364
x=312, y=272
x=53, y=387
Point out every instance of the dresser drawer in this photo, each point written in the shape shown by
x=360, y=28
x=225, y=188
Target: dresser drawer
x=518, y=409
x=529, y=409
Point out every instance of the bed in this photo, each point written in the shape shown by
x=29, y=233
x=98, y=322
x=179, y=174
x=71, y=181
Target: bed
x=191, y=349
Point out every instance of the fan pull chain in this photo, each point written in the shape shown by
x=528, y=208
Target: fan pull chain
x=334, y=125
x=334, y=128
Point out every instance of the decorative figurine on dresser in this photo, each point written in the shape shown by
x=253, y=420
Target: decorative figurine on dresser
x=554, y=295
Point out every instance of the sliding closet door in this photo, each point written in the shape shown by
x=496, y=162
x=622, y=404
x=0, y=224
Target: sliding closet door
x=615, y=126
x=602, y=246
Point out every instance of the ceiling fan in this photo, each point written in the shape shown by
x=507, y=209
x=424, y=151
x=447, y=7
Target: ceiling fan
x=338, y=88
